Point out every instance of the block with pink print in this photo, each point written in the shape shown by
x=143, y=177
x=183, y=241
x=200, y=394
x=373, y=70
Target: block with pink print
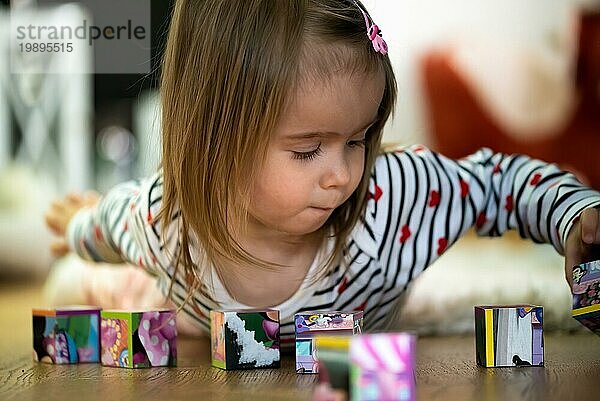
x=586, y=295
x=68, y=334
x=138, y=339
x=309, y=325
x=382, y=367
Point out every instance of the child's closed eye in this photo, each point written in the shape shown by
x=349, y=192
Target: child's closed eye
x=308, y=156
x=357, y=143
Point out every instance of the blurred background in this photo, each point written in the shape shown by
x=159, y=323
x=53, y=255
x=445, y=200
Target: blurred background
x=519, y=77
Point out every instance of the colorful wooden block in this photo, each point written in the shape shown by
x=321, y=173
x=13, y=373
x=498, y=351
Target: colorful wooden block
x=334, y=361
x=382, y=367
x=138, y=339
x=311, y=324
x=245, y=339
x=509, y=335
x=66, y=335
x=586, y=295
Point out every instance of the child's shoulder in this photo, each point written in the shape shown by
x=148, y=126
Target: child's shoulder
x=401, y=152
x=395, y=148
x=406, y=152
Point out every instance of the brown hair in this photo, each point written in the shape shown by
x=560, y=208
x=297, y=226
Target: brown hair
x=228, y=69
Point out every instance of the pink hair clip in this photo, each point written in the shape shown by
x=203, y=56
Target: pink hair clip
x=373, y=33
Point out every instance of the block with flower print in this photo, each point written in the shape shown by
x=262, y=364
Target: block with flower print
x=382, y=367
x=509, y=335
x=245, y=339
x=67, y=334
x=138, y=339
x=309, y=325
x=586, y=295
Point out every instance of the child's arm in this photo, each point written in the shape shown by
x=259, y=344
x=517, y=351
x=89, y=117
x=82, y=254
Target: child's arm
x=422, y=202
x=544, y=204
x=119, y=228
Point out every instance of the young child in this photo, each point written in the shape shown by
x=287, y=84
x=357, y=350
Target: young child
x=273, y=192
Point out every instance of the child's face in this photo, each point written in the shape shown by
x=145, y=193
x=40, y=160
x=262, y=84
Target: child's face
x=315, y=160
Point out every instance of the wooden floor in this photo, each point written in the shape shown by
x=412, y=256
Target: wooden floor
x=446, y=370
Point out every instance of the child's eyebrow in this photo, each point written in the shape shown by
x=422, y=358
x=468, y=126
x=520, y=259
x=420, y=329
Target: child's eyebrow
x=321, y=134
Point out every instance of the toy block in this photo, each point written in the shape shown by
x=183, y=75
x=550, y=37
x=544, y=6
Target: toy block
x=308, y=325
x=382, y=367
x=334, y=362
x=509, y=335
x=245, y=339
x=67, y=334
x=586, y=295
x=138, y=339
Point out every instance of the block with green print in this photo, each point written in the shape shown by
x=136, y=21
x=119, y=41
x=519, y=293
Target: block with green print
x=245, y=339
x=66, y=335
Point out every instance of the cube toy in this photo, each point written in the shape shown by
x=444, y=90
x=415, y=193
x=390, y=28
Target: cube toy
x=65, y=335
x=138, y=339
x=334, y=361
x=311, y=324
x=245, y=339
x=509, y=335
x=586, y=295
x=382, y=367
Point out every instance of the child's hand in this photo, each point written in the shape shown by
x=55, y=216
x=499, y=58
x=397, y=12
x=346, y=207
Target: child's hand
x=60, y=213
x=583, y=242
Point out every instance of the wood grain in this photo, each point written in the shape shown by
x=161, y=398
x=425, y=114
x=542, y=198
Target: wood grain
x=446, y=370
x=193, y=378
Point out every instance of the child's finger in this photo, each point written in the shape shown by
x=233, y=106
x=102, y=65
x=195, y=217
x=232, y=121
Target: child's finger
x=59, y=248
x=569, y=263
x=589, y=226
x=597, y=226
x=53, y=223
x=74, y=197
x=57, y=205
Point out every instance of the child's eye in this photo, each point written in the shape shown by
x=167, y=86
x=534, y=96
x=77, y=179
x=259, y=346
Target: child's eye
x=308, y=156
x=357, y=143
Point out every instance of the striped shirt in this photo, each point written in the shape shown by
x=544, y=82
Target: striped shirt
x=420, y=203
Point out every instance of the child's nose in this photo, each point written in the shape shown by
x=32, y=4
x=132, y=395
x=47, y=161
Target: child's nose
x=337, y=174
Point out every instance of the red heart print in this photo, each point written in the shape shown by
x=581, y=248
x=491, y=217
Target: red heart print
x=98, y=233
x=405, y=234
x=378, y=193
x=509, y=203
x=464, y=188
x=434, y=199
x=442, y=244
x=362, y=306
x=481, y=219
x=343, y=286
x=535, y=179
